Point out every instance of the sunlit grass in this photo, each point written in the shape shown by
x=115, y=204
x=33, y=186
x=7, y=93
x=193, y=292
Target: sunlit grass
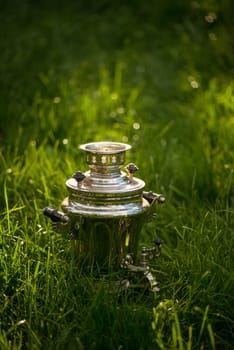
x=142, y=86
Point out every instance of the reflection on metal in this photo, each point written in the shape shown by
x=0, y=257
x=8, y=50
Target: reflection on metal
x=104, y=213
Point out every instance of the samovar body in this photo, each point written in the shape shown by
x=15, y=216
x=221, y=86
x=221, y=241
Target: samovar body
x=106, y=209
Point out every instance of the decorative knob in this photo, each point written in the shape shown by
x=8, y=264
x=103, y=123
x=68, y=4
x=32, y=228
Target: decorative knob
x=78, y=176
x=158, y=241
x=131, y=169
x=158, y=246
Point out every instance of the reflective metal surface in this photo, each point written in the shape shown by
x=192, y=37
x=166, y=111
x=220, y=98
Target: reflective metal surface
x=105, y=190
x=105, y=211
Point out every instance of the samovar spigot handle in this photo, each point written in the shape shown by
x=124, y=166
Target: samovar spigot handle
x=148, y=254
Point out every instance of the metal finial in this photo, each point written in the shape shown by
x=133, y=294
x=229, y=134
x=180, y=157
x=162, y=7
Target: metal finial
x=78, y=176
x=131, y=169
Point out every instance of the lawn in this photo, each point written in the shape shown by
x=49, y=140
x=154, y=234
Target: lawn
x=159, y=76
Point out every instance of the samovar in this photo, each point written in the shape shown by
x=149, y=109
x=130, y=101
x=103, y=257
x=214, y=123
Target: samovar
x=104, y=213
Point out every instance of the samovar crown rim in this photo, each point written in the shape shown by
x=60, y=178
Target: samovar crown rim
x=105, y=147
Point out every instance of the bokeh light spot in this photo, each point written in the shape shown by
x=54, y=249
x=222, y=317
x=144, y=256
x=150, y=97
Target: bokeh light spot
x=33, y=143
x=136, y=126
x=113, y=114
x=212, y=36
x=120, y=110
x=114, y=96
x=194, y=84
x=57, y=100
x=65, y=141
x=125, y=139
x=211, y=17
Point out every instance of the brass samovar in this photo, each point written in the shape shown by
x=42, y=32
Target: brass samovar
x=104, y=213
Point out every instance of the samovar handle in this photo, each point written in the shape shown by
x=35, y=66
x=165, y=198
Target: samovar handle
x=152, y=197
x=55, y=215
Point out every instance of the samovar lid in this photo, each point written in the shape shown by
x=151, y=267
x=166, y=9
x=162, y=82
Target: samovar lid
x=105, y=189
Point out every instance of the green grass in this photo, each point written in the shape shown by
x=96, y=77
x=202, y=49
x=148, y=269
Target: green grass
x=157, y=75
